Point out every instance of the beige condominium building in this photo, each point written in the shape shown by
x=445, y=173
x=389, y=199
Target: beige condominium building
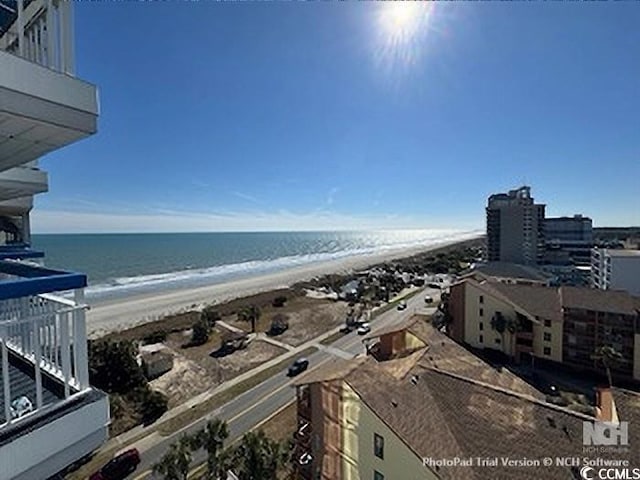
x=417, y=401
x=515, y=227
x=557, y=324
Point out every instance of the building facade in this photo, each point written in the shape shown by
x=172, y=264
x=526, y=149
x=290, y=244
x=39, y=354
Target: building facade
x=515, y=228
x=418, y=397
x=568, y=240
x=557, y=324
x=616, y=270
x=50, y=416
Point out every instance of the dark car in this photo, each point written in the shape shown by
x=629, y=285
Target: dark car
x=119, y=467
x=434, y=285
x=299, y=366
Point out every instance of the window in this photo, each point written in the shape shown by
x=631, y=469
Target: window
x=497, y=341
x=547, y=351
x=481, y=339
x=481, y=299
x=547, y=337
x=547, y=323
x=377, y=475
x=481, y=326
x=378, y=446
x=481, y=312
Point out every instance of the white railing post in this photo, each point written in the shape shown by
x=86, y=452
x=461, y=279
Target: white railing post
x=37, y=361
x=21, y=28
x=80, y=341
x=65, y=353
x=5, y=376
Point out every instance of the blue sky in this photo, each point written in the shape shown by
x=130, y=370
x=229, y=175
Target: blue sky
x=281, y=116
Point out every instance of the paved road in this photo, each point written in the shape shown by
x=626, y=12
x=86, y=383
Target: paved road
x=255, y=405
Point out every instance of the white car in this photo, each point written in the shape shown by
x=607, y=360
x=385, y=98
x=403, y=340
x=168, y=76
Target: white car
x=428, y=299
x=364, y=329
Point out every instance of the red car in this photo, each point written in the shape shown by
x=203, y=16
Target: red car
x=119, y=467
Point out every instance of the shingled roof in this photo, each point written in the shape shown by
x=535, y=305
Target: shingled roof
x=441, y=416
x=547, y=302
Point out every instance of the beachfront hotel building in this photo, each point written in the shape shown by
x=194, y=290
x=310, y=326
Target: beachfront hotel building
x=616, y=270
x=535, y=324
x=515, y=227
x=417, y=398
x=50, y=417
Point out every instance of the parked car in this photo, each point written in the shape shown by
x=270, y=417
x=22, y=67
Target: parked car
x=297, y=367
x=434, y=285
x=119, y=467
x=428, y=299
x=402, y=305
x=364, y=329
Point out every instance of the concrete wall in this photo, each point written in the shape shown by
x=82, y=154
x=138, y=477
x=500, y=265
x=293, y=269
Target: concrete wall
x=359, y=424
x=625, y=274
x=473, y=320
x=46, y=450
x=326, y=440
x=539, y=343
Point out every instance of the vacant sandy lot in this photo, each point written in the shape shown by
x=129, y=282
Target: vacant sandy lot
x=307, y=317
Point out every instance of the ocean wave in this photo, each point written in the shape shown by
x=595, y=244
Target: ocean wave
x=123, y=286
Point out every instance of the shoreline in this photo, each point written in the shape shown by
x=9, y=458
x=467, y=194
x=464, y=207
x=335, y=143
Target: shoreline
x=120, y=314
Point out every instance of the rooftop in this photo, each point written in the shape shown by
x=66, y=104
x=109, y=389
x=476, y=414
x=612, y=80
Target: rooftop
x=510, y=270
x=549, y=302
x=471, y=408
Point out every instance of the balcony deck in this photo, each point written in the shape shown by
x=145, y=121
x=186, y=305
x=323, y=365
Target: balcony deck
x=22, y=383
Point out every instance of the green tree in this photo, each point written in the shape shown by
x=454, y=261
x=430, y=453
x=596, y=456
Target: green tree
x=608, y=356
x=258, y=458
x=211, y=438
x=174, y=465
x=250, y=314
x=200, y=332
x=210, y=316
x=513, y=326
x=113, y=366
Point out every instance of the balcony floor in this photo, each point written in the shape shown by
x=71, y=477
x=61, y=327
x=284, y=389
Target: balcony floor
x=22, y=382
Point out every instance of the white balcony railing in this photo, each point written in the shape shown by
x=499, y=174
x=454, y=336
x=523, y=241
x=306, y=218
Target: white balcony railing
x=47, y=333
x=41, y=32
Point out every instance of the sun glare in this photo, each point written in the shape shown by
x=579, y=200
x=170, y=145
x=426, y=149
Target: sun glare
x=402, y=29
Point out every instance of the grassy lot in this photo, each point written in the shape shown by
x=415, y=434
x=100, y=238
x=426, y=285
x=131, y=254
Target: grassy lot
x=176, y=423
x=282, y=425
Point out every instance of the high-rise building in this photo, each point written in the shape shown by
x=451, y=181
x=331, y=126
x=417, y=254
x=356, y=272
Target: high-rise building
x=50, y=416
x=616, y=270
x=568, y=240
x=515, y=228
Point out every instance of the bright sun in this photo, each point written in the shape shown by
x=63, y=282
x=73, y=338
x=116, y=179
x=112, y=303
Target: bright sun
x=401, y=18
x=402, y=30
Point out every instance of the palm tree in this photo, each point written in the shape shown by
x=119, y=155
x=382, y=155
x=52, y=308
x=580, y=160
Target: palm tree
x=175, y=463
x=499, y=324
x=250, y=314
x=608, y=356
x=258, y=458
x=513, y=326
x=212, y=438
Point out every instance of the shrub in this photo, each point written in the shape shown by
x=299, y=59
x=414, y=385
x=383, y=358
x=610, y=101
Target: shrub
x=210, y=316
x=153, y=405
x=113, y=366
x=155, y=337
x=279, y=301
x=200, y=333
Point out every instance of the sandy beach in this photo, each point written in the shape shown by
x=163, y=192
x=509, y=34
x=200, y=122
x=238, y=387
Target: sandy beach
x=115, y=315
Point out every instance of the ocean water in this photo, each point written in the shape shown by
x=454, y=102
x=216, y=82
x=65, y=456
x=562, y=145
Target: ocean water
x=118, y=265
